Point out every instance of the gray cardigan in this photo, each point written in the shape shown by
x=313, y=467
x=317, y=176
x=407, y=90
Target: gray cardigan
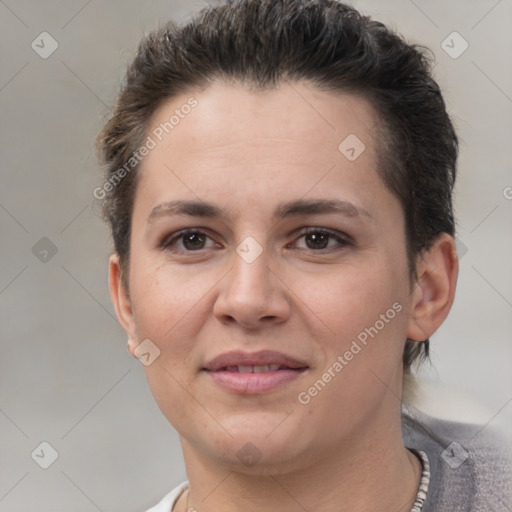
x=470, y=465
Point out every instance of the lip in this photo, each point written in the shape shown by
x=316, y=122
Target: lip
x=258, y=382
x=254, y=383
x=261, y=358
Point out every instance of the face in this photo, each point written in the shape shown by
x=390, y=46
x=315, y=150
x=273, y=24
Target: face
x=300, y=251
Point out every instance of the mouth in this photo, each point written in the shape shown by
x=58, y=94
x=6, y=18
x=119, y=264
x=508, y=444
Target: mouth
x=250, y=374
x=265, y=368
x=254, y=362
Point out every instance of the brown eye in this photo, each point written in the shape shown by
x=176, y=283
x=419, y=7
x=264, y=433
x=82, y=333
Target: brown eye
x=193, y=241
x=319, y=239
x=187, y=241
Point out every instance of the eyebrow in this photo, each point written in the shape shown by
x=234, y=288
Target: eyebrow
x=198, y=208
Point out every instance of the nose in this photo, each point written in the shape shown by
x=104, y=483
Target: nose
x=252, y=295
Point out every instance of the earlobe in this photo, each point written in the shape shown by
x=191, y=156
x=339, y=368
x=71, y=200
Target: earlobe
x=120, y=297
x=131, y=346
x=432, y=297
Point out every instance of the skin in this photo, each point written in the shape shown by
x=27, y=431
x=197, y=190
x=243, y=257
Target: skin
x=247, y=151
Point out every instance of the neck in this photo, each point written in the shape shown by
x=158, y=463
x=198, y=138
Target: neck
x=372, y=471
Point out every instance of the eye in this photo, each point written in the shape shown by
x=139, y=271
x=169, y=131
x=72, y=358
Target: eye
x=188, y=240
x=315, y=239
x=318, y=239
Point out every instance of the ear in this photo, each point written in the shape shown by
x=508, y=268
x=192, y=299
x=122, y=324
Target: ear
x=437, y=270
x=121, y=300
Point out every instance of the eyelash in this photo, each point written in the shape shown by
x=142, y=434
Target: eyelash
x=342, y=240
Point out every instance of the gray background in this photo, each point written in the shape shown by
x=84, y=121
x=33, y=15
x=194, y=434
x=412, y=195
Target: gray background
x=66, y=377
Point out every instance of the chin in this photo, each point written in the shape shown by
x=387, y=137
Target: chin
x=259, y=449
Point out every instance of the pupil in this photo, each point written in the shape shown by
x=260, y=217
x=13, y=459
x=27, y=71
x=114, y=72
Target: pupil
x=196, y=241
x=319, y=240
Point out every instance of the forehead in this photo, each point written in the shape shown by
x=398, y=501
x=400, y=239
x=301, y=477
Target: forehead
x=257, y=146
x=226, y=115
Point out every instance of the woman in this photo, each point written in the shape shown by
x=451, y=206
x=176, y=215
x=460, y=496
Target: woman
x=279, y=180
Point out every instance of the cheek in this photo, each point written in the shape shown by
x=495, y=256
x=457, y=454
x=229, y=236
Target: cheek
x=165, y=297
x=363, y=321
x=352, y=299
x=170, y=307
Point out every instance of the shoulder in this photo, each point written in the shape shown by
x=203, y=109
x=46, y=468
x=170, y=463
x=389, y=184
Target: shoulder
x=470, y=464
x=167, y=502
